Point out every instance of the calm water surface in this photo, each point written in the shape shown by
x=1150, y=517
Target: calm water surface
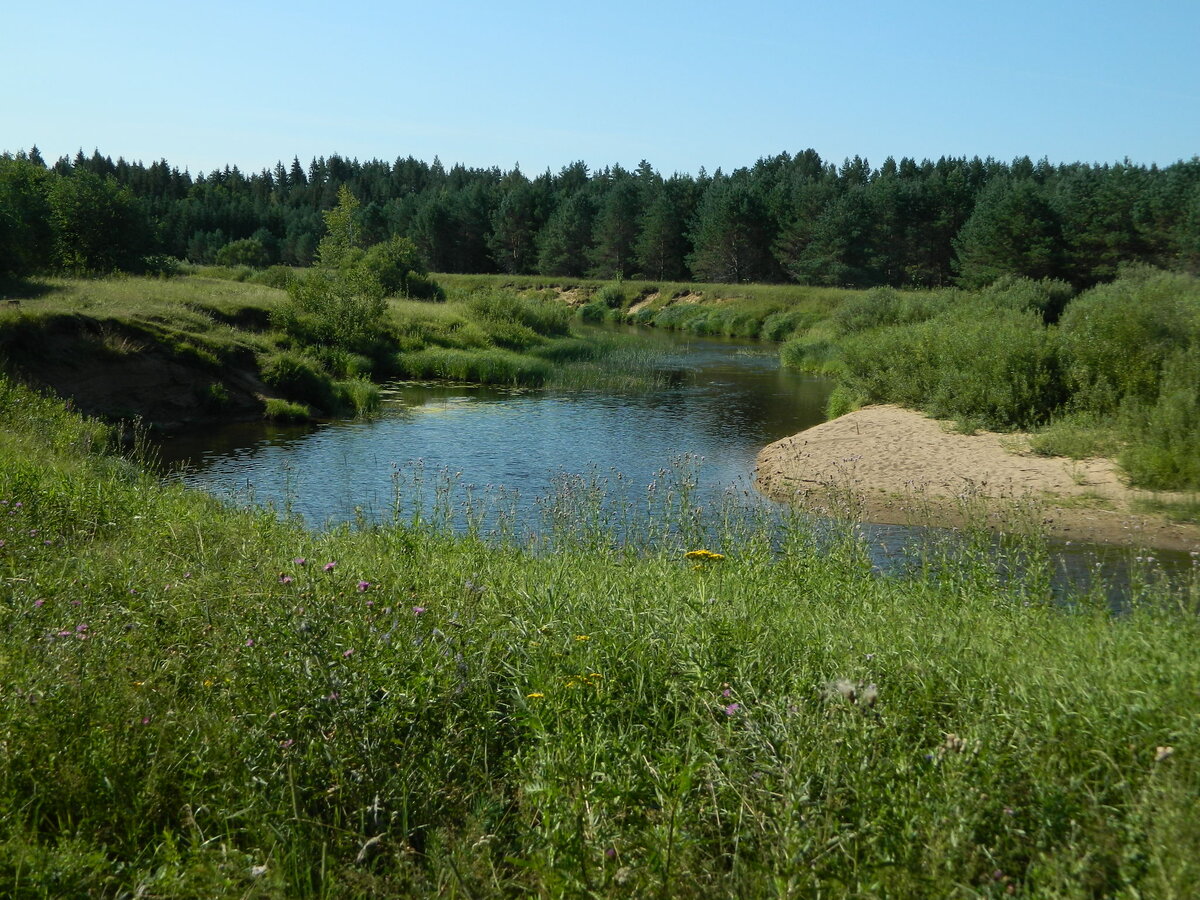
x=514, y=447
x=730, y=400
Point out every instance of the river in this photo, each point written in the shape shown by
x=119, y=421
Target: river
x=507, y=453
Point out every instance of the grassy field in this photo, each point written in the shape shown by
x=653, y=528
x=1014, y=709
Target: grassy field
x=202, y=702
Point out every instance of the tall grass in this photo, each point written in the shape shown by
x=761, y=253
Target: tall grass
x=204, y=702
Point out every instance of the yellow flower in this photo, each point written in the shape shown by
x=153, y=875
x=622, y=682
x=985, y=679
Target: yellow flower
x=536, y=695
x=583, y=637
x=595, y=675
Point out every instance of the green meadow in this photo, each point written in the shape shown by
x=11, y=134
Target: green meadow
x=199, y=701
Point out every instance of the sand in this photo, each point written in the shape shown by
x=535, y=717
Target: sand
x=893, y=465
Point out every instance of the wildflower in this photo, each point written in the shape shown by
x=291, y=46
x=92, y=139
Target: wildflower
x=418, y=610
x=249, y=642
x=595, y=675
x=80, y=629
x=39, y=603
x=869, y=695
x=329, y=566
x=208, y=682
x=145, y=720
x=348, y=653
x=1163, y=753
x=610, y=853
x=583, y=637
x=285, y=579
x=704, y=555
x=536, y=695
x=300, y=561
x=952, y=744
x=287, y=744
x=732, y=709
x=363, y=585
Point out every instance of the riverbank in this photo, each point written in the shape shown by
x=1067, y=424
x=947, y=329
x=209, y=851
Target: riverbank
x=897, y=466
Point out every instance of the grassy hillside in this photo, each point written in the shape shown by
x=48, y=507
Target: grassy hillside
x=201, y=348
x=197, y=701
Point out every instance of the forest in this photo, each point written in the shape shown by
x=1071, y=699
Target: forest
x=787, y=218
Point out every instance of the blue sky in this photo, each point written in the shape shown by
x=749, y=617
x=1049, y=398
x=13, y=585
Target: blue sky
x=543, y=84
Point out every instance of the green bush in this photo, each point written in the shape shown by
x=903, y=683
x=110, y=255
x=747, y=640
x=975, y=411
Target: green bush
x=331, y=308
x=248, y=252
x=1116, y=337
x=299, y=377
x=1047, y=297
x=274, y=276
x=998, y=370
x=1164, y=437
x=884, y=306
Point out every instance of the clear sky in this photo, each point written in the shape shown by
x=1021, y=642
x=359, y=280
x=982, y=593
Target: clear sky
x=541, y=84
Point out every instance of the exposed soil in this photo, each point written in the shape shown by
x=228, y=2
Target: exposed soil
x=110, y=375
x=892, y=465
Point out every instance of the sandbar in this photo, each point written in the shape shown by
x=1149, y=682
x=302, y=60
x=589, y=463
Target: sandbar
x=892, y=465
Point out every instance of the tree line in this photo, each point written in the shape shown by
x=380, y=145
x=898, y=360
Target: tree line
x=788, y=218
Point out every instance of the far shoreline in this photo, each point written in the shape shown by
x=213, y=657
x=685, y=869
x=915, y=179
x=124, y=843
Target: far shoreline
x=888, y=465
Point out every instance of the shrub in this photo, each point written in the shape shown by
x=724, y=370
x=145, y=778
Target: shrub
x=299, y=377
x=247, y=252
x=1116, y=336
x=998, y=370
x=1164, y=437
x=1046, y=297
x=274, y=276
x=332, y=308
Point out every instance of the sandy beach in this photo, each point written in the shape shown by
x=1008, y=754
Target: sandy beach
x=887, y=464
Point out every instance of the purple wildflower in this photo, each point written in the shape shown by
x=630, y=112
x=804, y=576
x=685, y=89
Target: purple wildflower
x=300, y=561
x=363, y=585
x=39, y=603
x=249, y=642
x=418, y=610
x=348, y=653
x=285, y=579
x=329, y=566
x=732, y=709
